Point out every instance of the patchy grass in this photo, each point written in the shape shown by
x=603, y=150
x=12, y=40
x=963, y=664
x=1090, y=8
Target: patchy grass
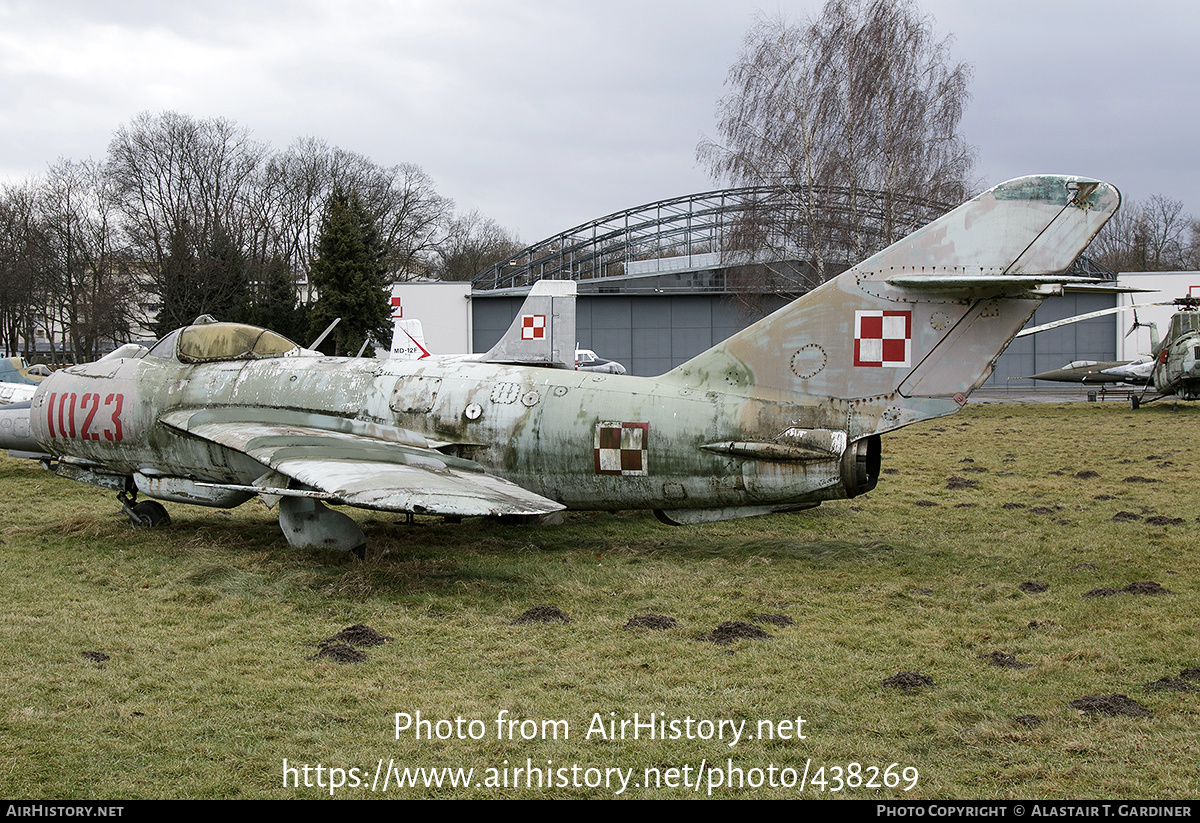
x=213, y=675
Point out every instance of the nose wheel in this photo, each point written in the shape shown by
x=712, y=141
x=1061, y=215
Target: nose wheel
x=148, y=514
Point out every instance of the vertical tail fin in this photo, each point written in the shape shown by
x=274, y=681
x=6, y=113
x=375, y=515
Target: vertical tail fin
x=927, y=316
x=408, y=340
x=543, y=332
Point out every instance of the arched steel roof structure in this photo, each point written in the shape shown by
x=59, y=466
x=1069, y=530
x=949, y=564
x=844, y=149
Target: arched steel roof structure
x=760, y=224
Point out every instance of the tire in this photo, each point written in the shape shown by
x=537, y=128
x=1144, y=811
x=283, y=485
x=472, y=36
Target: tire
x=1134, y=402
x=151, y=514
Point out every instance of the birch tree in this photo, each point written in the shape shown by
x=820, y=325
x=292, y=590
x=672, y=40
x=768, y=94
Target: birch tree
x=864, y=101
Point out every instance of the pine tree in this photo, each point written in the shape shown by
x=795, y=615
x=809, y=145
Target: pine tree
x=349, y=277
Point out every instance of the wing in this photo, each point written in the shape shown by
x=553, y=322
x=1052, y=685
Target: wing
x=362, y=470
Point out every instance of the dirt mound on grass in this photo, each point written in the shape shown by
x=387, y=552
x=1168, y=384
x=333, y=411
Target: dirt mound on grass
x=1147, y=587
x=359, y=635
x=732, y=630
x=955, y=483
x=1033, y=587
x=1029, y=721
x=1005, y=661
x=908, y=681
x=1162, y=520
x=654, y=622
x=542, y=614
x=1113, y=705
x=96, y=657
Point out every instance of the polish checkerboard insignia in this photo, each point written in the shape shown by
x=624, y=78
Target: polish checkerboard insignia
x=533, y=326
x=621, y=448
x=883, y=338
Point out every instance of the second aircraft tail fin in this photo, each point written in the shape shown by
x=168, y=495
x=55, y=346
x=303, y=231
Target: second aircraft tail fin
x=543, y=332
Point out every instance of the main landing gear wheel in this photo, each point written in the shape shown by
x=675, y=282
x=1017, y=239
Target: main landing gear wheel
x=152, y=514
x=149, y=514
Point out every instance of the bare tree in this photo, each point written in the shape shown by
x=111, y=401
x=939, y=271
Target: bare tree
x=197, y=214
x=472, y=244
x=22, y=249
x=1154, y=235
x=185, y=186
x=297, y=183
x=863, y=100
x=1192, y=256
x=90, y=295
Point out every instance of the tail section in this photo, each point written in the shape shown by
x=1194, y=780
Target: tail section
x=543, y=332
x=408, y=340
x=926, y=317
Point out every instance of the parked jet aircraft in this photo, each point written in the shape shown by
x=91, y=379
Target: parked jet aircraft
x=1082, y=371
x=588, y=360
x=408, y=339
x=19, y=380
x=779, y=417
x=16, y=370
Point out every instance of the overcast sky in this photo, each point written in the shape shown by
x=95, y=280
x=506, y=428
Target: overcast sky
x=544, y=115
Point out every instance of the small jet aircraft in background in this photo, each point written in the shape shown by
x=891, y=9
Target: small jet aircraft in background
x=408, y=339
x=781, y=416
x=587, y=360
x=1082, y=371
x=19, y=380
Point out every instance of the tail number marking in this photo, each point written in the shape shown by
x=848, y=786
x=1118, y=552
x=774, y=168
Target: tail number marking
x=61, y=417
x=882, y=338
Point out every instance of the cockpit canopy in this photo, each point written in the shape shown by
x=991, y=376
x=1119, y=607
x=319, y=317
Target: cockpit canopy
x=217, y=342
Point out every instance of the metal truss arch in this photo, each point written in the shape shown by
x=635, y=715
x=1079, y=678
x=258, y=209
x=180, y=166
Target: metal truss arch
x=824, y=227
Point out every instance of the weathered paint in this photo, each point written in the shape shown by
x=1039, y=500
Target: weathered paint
x=1177, y=357
x=780, y=416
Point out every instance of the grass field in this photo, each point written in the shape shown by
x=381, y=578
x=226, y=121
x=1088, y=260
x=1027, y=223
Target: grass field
x=213, y=679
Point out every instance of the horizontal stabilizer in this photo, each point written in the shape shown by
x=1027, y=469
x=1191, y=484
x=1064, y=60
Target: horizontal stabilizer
x=993, y=286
